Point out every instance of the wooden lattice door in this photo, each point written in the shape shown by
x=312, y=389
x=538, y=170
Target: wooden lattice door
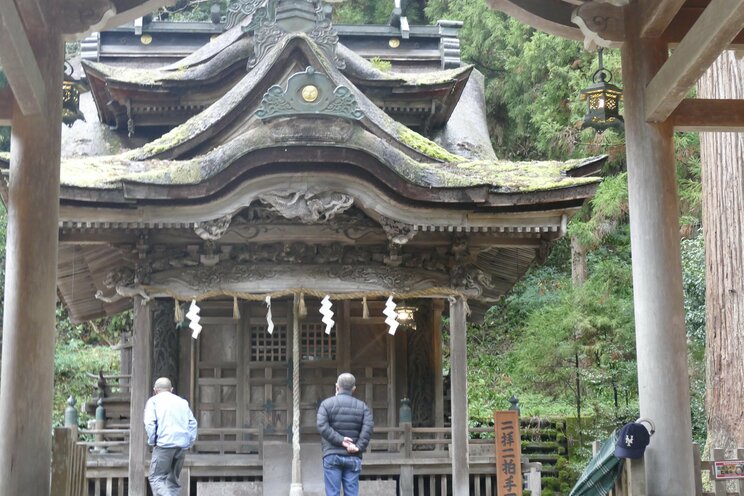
x=318, y=367
x=217, y=364
x=266, y=387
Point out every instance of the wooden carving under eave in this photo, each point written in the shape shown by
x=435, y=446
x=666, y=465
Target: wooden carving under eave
x=601, y=23
x=79, y=17
x=84, y=16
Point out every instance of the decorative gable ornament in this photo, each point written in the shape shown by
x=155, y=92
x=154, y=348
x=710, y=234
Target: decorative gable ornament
x=278, y=19
x=238, y=10
x=309, y=93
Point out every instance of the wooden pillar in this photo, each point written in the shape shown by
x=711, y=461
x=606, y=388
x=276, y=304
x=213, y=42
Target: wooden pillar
x=165, y=349
x=140, y=391
x=661, y=343
x=30, y=282
x=296, y=488
x=437, y=308
x=459, y=371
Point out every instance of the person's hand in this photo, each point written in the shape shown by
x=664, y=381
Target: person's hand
x=351, y=448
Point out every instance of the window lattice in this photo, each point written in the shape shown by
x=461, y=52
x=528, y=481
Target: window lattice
x=316, y=344
x=267, y=347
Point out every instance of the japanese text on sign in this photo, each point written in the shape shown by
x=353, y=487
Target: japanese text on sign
x=508, y=453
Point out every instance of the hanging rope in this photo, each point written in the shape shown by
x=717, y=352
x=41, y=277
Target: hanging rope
x=301, y=308
x=365, y=308
x=296, y=474
x=236, y=308
x=441, y=292
x=178, y=312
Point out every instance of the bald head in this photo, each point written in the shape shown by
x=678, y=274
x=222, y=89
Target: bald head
x=162, y=384
x=346, y=382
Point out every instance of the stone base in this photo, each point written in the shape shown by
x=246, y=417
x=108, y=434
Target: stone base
x=229, y=488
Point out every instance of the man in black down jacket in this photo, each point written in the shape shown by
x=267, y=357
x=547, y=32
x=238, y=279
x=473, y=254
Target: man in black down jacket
x=345, y=426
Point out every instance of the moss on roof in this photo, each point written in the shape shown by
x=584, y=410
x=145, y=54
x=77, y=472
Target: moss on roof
x=501, y=176
x=425, y=145
x=523, y=177
x=157, y=77
x=413, y=157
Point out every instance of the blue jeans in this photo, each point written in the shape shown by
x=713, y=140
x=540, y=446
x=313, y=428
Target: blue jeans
x=342, y=469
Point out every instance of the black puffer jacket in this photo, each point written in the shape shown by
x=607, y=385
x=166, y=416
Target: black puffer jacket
x=343, y=416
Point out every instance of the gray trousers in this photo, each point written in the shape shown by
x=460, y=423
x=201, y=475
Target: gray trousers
x=165, y=469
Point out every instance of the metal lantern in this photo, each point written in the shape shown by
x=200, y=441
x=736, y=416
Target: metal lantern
x=406, y=316
x=603, y=100
x=70, y=98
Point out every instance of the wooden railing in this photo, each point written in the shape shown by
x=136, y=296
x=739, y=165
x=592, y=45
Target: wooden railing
x=735, y=487
x=405, y=439
x=632, y=481
x=209, y=441
x=68, y=464
x=225, y=441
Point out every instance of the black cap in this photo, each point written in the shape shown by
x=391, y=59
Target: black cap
x=632, y=441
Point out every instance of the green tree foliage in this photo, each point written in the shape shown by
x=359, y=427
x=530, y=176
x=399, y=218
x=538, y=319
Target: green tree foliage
x=190, y=10
x=545, y=334
x=4, y=138
x=77, y=353
x=376, y=11
x=80, y=348
x=532, y=83
x=693, y=283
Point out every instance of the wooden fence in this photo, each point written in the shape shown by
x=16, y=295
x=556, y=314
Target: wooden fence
x=632, y=481
x=706, y=467
x=68, y=464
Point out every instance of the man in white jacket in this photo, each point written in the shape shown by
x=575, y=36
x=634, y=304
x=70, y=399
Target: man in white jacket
x=171, y=429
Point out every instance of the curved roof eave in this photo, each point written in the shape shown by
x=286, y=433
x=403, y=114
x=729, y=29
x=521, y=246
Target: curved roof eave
x=370, y=198
x=549, y=16
x=487, y=183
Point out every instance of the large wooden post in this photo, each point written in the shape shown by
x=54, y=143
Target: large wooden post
x=140, y=391
x=459, y=371
x=437, y=308
x=30, y=282
x=296, y=488
x=661, y=344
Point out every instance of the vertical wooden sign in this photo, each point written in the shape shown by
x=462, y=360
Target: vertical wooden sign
x=508, y=453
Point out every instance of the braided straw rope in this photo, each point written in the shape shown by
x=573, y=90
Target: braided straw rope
x=435, y=292
x=296, y=489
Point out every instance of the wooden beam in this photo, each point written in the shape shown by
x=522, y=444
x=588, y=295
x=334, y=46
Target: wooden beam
x=125, y=16
x=684, y=20
x=19, y=62
x=34, y=13
x=6, y=106
x=549, y=16
x=139, y=391
x=697, y=114
x=657, y=15
x=715, y=29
